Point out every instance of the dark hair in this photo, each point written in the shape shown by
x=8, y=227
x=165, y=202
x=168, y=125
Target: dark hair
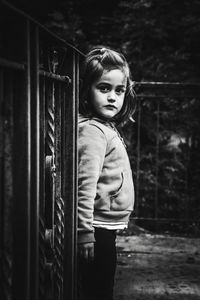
x=96, y=61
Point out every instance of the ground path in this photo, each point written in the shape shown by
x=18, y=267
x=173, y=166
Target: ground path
x=157, y=267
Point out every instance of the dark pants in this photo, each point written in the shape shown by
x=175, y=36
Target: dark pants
x=96, y=279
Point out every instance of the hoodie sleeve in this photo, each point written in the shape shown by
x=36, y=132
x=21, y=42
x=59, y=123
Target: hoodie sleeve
x=92, y=149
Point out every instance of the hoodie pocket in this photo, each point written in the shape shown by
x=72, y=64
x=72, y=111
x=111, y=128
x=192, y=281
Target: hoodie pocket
x=109, y=200
x=114, y=195
x=121, y=200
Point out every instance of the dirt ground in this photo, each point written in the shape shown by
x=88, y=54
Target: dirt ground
x=157, y=267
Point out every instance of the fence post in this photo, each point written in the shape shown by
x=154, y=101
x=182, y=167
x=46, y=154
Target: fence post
x=157, y=160
x=138, y=158
x=70, y=182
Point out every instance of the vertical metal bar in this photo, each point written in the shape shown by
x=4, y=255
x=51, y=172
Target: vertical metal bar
x=62, y=185
x=1, y=156
x=42, y=285
x=28, y=245
x=7, y=237
x=59, y=204
x=157, y=158
x=187, y=160
x=70, y=187
x=22, y=176
x=138, y=159
x=50, y=152
x=51, y=119
x=1, y=150
x=1, y=179
x=76, y=108
x=35, y=163
x=49, y=189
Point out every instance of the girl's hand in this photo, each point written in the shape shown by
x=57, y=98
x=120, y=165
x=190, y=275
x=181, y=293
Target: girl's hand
x=86, y=251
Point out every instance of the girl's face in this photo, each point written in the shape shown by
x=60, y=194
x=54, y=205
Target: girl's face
x=108, y=92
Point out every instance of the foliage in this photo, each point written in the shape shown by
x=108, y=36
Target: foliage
x=160, y=38
x=161, y=42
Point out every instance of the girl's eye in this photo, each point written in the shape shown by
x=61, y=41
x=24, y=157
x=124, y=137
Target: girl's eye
x=120, y=91
x=104, y=89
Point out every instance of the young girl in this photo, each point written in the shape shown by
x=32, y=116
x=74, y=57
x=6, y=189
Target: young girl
x=105, y=186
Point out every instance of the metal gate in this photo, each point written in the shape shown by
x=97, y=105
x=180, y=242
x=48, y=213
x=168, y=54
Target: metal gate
x=163, y=149
x=39, y=84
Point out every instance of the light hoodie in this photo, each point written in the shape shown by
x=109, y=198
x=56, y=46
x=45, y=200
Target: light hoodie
x=105, y=185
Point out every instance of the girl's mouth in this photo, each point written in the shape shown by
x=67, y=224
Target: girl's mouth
x=110, y=106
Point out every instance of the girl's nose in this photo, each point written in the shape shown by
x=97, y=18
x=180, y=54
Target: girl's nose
x=112, y=96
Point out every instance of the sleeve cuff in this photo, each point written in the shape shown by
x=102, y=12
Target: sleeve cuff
x=86, y=237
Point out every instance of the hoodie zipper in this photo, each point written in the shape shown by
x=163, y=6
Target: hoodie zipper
x=119, y=135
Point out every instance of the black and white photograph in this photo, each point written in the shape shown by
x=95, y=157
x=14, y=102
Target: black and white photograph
x=99, y=150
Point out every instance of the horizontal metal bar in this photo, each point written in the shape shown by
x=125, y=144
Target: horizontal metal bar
x=167, y=89
x=157, y=84
x=65, y=79
x=11, y=64
x=17, y=66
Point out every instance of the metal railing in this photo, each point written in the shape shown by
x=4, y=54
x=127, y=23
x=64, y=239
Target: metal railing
x=39, y=84
x=163, y=155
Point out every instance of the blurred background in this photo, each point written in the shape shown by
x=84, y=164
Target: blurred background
x=160, y=40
